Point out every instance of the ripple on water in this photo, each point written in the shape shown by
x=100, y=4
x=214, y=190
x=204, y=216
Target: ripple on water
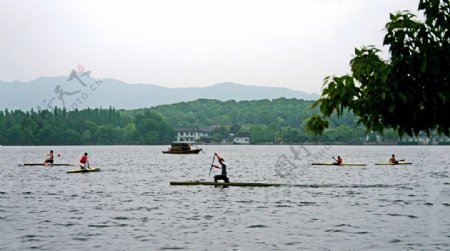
x=142, y=209
x=257, y=226
x=306, y=203
x=121, y=218
x=69, y=224
x=403, y=215
x=292, y=243
x=78, y=238
x=346, y=225
x=99, y=225
x=245, y=201
x=31, y=238
x=171, y=248
x=283, y=205
x=334, y=230
x=208, y=217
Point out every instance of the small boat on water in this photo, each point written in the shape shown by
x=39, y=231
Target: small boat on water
x=182, y=148
x=261, y=184
x=393, y=164
x=334, y=164
x=85, y=170
x=48, y=164
x=212, y=183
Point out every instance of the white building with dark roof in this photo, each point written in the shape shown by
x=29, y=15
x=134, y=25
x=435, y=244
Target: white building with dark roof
x=189, y=134
x=241, y=140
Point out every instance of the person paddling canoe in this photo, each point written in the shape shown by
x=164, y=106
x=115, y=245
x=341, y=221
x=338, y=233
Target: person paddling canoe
x=338, y=160
x=393, y=160
x=49, y=158
x=84, y=161
x=222, y=176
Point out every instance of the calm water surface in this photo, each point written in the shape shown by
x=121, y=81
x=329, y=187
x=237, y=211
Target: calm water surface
x=130, y=205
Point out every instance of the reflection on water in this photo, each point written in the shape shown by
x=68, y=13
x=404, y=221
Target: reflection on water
x=129, y=205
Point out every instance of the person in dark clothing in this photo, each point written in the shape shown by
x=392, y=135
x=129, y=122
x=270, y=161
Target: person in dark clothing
x=392, y=160
x=49, y=158
x=222, y=176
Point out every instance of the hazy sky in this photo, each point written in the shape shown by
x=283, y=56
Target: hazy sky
x=183, y=43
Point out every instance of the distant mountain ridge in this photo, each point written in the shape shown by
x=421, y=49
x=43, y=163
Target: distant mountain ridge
x=83, y=91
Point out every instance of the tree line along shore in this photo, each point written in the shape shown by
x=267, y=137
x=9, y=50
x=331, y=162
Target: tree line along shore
x=277, y=121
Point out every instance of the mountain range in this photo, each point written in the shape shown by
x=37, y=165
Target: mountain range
x=81, y=91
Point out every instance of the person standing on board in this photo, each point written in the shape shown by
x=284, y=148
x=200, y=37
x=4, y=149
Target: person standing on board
x=392, y=160
x=84, y=161
x=338, y=160
x=49, y=158
x=222, y=176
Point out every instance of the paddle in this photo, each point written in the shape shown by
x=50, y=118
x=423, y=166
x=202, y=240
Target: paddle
x=212, y=163
x=88, y=165
x=200, y=149
x=334, y=158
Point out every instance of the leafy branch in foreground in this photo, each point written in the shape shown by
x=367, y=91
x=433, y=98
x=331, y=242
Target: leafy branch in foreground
x=411, y=92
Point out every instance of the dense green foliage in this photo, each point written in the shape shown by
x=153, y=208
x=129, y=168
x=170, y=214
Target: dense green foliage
x=205, y=112
x=265, y=121
x=410, y=92
x=90, y=126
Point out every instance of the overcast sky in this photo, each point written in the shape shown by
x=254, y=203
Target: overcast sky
x=184, y=43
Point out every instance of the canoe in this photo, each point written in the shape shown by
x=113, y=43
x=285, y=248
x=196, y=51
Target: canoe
x=334, y=164
x=212, y=183
x=260, y=184
x=86, y=170
x=49, y=164
x=393, y=164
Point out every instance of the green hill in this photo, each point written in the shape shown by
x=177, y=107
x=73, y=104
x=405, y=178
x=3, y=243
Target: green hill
x=265, y=121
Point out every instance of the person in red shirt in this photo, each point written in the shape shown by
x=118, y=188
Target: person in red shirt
x=84, y=161
x=338, y=160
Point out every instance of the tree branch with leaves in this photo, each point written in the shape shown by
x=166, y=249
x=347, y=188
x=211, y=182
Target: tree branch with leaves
x=408, y=93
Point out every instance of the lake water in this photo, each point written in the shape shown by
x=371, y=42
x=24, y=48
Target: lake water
x=130, y=205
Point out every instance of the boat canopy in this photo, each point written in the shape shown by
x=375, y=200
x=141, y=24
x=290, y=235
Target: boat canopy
x=180, y=146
